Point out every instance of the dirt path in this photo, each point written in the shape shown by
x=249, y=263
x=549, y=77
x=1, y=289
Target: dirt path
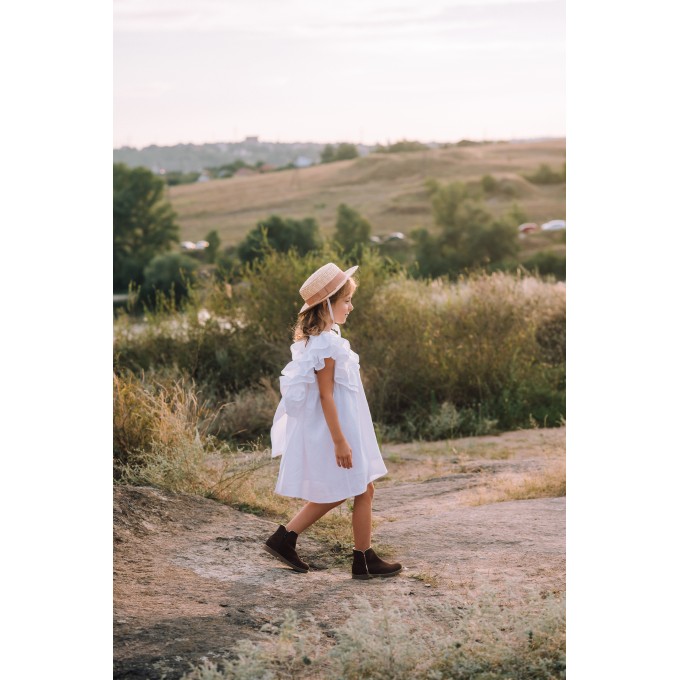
x=191, y=577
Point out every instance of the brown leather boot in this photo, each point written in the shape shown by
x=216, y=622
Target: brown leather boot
x=281, y=544
x=368, y=565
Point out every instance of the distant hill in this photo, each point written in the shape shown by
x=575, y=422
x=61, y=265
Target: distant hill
x=196, y=157
x=387, y=189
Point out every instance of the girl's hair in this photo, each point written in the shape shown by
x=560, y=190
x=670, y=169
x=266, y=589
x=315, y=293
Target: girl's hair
x=313, y=320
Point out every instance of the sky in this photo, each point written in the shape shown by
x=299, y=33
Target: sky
x=318, y=71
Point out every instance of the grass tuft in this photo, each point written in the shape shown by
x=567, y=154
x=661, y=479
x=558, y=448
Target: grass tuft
x=488, y=639
x=549, y=482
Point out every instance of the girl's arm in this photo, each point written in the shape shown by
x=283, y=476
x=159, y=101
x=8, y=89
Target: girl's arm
x=343, y=452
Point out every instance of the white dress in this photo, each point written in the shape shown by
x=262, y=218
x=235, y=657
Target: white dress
x=300, y=433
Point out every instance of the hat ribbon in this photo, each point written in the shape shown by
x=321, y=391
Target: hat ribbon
x=334, y=326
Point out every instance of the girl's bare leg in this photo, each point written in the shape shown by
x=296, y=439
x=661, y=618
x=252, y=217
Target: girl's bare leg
x=309, y=514
x=361, y=518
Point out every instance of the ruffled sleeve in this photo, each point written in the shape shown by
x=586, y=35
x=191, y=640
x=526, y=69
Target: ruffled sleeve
x=310, y=357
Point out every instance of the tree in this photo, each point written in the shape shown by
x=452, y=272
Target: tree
x=469, y=237
x=346, y=151
x=328, y=154
x=343, y=152
x=143, y=223
x=402, y=146
x=213, y=239
x=446, y=200
x=351, y=230
x=489, y=184
x=169, y=274
x=282, y=235
x=430, y=261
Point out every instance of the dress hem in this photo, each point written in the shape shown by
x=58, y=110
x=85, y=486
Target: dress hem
x=333, y=500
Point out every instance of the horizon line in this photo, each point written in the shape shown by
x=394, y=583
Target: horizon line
x=241, y=141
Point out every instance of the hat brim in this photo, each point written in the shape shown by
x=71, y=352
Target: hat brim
x=347, y=274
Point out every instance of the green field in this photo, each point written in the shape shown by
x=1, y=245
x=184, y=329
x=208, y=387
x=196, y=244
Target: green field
x=387, y=189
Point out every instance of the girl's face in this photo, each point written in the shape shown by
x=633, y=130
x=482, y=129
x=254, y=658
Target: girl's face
x=342, y=307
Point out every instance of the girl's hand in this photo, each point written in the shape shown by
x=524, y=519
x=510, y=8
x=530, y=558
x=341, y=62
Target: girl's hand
x=343, y=454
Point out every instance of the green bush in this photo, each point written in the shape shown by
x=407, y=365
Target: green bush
x=280, y=235
x=227, y=338
x=489, y=184
x=547, y=263
x=352, y=231
x=172, y=275
x=438, y=359
x=343, y=152
x=176, y=177
x=401, y=146
x=471, y=345
x=546, y=175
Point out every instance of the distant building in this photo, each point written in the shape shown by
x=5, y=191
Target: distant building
x=302, y=162
x=252, y=140
x=267, y=168
x=204, y=177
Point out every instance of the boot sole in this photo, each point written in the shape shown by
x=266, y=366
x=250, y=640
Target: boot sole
x=367, y=577
x=273, y=552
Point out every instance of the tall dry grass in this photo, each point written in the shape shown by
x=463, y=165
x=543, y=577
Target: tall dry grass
x=441, y=360
x=487, y=639
x=161, y=438
x=548, y=482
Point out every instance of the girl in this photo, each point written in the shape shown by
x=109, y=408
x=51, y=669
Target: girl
x=323, y=428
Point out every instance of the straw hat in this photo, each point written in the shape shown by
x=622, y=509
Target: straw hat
x=323, y=283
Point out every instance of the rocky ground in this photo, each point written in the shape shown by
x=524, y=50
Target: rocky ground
x=191, y=577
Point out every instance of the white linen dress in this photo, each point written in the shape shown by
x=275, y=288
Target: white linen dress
x=301, y=435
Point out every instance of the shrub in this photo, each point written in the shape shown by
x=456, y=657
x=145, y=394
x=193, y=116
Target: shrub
x=153, y=423
x=162, y=438
x=438, y=359
x=281, y=235
x=546, y=175
x=401, y=146
x=489, y=184
x=228, y=338
x=342, y=152
x=547, y=263
x=176, y=177
x=352, y=231
x=171, y=275
x=246, y=416
x=471, y=344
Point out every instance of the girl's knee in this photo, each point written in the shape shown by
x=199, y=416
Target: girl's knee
x=370, y=489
